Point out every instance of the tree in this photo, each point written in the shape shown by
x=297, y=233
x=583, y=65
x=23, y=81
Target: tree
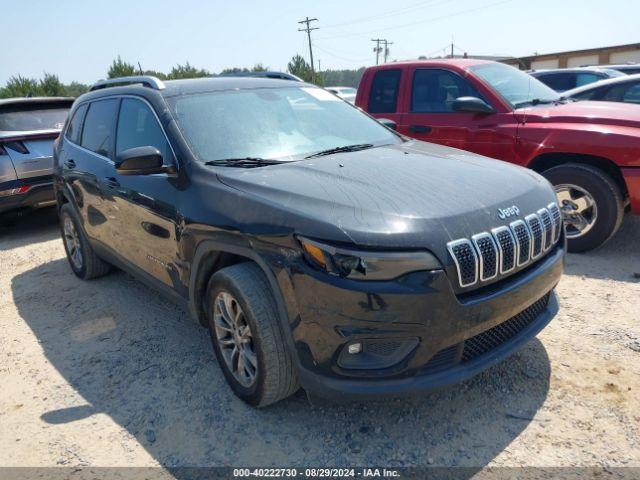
x=258, y=67
x=75, y=89
x=299, y=67
x=187, y=71
x=19, y=86
x=234, y=70
x=120, y=68
x=51, y=86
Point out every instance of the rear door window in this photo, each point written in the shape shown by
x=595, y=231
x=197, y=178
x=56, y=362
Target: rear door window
x=383, y=97
x=138, y=127
x=75, y=124
x=99, y=126
x=434, y=91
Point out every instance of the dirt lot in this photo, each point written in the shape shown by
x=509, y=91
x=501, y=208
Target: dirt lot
x=108, y=373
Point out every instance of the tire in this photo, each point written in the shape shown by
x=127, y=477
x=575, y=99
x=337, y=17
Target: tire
x=90, y=265
x=604, y=193
x=275, y=376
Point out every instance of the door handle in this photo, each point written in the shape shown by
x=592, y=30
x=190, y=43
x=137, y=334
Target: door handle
x=419, y=129
x=70, y=164
x=111, y=182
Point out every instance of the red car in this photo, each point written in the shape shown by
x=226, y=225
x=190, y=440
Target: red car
x=590, y=151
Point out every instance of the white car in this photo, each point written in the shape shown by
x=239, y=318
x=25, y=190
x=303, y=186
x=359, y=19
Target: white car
x=345, y=93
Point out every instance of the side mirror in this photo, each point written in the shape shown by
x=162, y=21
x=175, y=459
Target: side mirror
x=140, y=161
x=471, y=104
x=388, y=123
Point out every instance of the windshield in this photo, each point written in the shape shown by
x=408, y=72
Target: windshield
x=38, y=119
x=272, y=123
x=516, y=87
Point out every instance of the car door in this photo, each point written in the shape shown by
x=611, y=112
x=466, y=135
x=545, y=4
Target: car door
x=430, y=115
x=90, y=142
x=144, y=206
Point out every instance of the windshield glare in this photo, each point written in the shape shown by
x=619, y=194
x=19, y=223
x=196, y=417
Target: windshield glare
x=38, y=119
x=514, y=86
x=272, y=123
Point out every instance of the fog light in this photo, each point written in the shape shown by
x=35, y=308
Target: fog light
x=354, y=348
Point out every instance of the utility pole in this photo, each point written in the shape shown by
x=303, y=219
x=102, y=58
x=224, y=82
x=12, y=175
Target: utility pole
x=308, y=29
x=377, y=47
x=386, y=49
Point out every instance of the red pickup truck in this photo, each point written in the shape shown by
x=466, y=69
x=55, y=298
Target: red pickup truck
x=590, y=151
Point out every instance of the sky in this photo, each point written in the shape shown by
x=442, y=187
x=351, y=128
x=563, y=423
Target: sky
x=78, y=39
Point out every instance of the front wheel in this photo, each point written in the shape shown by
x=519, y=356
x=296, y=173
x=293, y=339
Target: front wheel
x=247, y=335
x=591, y=204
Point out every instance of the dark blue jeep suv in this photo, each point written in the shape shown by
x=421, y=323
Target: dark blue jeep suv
x=320, y=248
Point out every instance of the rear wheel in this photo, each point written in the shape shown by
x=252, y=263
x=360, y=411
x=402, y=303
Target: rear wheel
x=83, y=260
x=247, y=336
x=591, y=203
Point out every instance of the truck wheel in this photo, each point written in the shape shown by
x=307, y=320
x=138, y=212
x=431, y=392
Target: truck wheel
x=591, y=204
x=247, y=335
x=83, y=260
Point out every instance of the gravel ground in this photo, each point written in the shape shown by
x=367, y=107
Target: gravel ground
x=109, y=373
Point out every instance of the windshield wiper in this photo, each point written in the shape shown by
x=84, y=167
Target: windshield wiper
x=537, y=101
x=242, y=162
x=346, y=148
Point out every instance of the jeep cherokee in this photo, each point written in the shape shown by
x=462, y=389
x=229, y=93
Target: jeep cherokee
x=320, y=248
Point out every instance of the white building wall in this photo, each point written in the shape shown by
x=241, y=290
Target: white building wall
x=581, y=60
x=544, y=64
x=624, y=57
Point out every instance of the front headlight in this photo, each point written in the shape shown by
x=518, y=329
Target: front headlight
x=364, y=264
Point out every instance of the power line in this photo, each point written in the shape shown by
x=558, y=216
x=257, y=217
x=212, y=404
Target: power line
x=389, y=13
x=308, y=29
x=427, y=20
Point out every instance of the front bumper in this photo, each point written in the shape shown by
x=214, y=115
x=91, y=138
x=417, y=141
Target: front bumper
x=38, y=195
x=422, y=306
x=632, y=179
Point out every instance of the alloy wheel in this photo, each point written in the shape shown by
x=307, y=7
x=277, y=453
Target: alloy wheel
x=235, y=339
x=72, y=242
x=579, y=209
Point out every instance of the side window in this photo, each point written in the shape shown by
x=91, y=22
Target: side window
x=75, y=124
x=586, y=78
x=434, y=90
x=558, y=81
x=632, y=95
x=588, y=95
x=138, y=127
x=623, y=93
x=383, y=97
x=99, y=126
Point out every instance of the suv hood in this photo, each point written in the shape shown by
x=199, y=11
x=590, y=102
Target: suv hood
x=604, y=113
x=416, y=195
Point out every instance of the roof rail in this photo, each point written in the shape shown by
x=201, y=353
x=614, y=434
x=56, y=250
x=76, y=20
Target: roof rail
x=146, y=80
x=279, y=75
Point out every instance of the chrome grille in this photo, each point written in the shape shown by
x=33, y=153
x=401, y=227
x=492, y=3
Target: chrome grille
x=506, y=247
x=523, y=241
x=466, y=260
x=488, y=254
x=535, y=227
x=547, y=227
x=556, y=218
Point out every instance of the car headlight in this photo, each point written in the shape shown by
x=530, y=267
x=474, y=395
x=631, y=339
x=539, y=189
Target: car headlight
x=364, y=264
